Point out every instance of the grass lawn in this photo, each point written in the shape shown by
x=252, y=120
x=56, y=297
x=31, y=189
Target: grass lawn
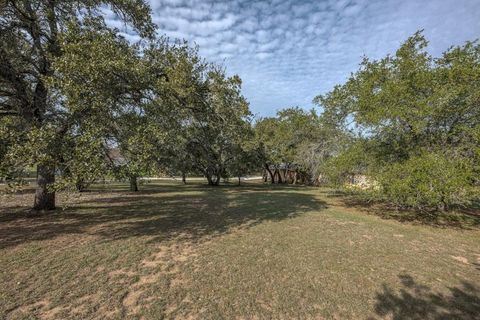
x=250, y=252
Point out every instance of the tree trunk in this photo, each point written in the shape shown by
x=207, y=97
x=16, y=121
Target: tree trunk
x=80, y=185
x=209, y=178
x=44, y=199
x=295, y=177
x=184, y=178
x=133, y=184
x=213, y=176
x=272, y=178
x=217, y=180
x=278, y=175
x=238, y=180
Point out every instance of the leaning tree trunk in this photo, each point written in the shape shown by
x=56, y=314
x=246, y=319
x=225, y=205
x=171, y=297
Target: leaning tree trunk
x=272, y=176
x=44, y=198
x=286, y=176
x=133, y=184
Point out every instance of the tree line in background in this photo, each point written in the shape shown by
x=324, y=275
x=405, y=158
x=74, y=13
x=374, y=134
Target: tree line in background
x=79, y=102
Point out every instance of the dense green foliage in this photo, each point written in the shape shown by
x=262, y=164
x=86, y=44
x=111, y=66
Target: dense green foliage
x=417, y=124
x=79, y=102
x=428, y=180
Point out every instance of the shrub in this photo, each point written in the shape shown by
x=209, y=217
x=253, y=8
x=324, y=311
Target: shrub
x=428, y=181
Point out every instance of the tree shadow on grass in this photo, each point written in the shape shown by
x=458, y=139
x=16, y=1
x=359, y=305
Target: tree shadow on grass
x=463, y=218
x=418, y=302
x=191, y=212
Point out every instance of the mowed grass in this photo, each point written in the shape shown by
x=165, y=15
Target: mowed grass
x=250, y=252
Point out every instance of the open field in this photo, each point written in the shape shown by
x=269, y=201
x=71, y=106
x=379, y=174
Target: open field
x=250, y=252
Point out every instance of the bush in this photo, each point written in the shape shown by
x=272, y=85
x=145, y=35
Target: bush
x=428, y=181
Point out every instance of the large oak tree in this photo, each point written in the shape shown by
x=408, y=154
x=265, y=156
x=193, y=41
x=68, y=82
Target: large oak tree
x=35, y=115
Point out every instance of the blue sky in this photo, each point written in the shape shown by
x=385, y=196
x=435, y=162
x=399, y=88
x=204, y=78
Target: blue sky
x=287, y=52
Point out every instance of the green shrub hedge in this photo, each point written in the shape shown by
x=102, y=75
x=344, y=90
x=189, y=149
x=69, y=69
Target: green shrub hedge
x=428, y=181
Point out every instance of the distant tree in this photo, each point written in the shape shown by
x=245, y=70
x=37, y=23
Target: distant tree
x=294, y=139
x=265, y=133
x=248, y=158
x=219, y=126
x=313, y=156
x=196, y=117
x=136, y=154
x=178, y=96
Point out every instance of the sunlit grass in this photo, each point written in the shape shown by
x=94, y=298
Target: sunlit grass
x=255, y=251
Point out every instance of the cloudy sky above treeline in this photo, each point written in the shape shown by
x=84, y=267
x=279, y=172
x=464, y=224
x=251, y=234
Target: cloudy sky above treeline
x=288, y=52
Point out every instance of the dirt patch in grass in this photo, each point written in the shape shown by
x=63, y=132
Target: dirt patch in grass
x=165, y=263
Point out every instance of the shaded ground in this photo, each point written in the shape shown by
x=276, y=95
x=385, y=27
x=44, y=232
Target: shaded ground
x=465, y=218
x=255, y=251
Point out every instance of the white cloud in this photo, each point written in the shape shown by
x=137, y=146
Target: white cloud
x=289, y=51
